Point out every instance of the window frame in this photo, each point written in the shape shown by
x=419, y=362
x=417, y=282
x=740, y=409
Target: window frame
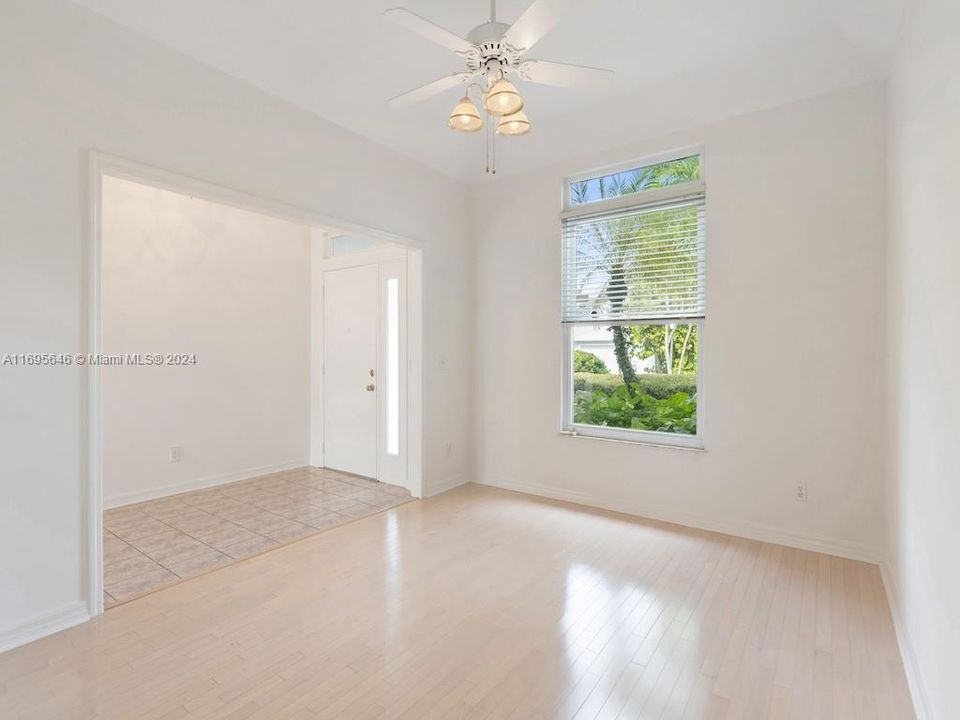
x=634, y=201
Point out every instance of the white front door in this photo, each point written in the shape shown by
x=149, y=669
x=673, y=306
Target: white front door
x=350, y=335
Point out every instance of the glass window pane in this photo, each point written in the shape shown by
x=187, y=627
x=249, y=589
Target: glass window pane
x=636, y=377
x=637, y=180
x=636, y=264
x=393, y=366
x=346, y=244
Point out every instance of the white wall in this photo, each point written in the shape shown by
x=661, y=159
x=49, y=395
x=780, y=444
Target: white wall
x=72, y=81
x=232, y=288
x=924, y=496
x=792, y=349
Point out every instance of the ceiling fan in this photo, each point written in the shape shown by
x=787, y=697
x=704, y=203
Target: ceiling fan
x=493, y=51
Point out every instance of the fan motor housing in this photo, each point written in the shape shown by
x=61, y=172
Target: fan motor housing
x=489, y=45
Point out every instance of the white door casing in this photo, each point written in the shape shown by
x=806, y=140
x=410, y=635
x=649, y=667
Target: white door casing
x=406, y=249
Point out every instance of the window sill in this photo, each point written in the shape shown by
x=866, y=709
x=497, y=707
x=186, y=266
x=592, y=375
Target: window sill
x=644, y=441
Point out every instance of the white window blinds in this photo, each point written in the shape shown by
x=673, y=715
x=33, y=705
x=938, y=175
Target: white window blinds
x=640, y=263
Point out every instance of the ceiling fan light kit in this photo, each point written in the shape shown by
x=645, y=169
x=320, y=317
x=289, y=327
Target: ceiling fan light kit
x=512, y=125
x=491, y=52
x=503, y=99
x=465, y=116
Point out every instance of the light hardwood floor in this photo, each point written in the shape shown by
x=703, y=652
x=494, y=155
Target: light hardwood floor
x=485, y=604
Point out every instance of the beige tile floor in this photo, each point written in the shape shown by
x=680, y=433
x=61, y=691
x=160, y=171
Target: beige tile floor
x=154, y=544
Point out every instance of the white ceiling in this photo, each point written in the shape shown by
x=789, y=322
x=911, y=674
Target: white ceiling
x=678, y=63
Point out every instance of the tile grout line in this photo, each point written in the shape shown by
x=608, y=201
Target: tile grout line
x=264, y=551
x=342, y=519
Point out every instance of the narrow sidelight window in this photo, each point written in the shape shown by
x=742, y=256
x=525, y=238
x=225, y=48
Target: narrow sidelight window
x=393, y=366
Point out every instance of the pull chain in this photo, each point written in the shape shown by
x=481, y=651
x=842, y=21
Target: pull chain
x=493, y=150
x=490, y=136
x=486, y=142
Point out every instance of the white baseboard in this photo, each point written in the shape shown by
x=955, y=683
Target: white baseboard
x=752, y=531
x=918, y=690
x=441, y=487
x=204, y=482
x=44, y=624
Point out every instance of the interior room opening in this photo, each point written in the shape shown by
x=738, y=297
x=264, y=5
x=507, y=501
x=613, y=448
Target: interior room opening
x=252, y=374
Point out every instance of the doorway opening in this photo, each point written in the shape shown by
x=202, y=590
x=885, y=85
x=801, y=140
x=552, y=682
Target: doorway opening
x=228, y=332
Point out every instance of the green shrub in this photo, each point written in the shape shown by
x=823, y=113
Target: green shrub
x=640, y=411
x=658, y=386
x=587, y=362
x=591, y=381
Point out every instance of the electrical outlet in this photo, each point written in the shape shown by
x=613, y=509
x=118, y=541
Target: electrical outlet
x=176, y=454
x=801, y=495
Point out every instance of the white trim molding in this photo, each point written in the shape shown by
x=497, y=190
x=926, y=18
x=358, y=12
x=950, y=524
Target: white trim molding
x=750, y=531
x=199, y=483
x=434, y=489
x=44, y=624
x=911, y=668
x=101, y=164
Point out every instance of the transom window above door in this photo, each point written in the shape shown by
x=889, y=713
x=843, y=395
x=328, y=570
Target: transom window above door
x=633, y=301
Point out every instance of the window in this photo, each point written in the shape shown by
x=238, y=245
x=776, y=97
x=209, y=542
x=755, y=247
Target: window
x=633, y=302
x=393, y=366
x=346, y=244
x=635, y=180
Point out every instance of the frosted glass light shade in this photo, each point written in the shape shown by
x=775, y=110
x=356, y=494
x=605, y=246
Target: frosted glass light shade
x=516, y=124
x=503, y=99
x=465, y=116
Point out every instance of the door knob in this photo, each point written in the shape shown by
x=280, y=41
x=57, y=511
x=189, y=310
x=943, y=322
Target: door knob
x=371, y=387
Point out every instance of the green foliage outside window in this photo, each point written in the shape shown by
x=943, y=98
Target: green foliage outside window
x=672, y=347
x=655, y=402
x=653, y=384
x=587, y=362
x=629, y=182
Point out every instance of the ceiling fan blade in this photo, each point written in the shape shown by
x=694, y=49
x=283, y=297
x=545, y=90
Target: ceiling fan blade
x=564, y=75
x=430, y=89
x=540, y=17
x=413, y=22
